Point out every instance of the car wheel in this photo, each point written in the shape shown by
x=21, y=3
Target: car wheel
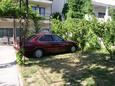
x=73, y=49
x=38, y=53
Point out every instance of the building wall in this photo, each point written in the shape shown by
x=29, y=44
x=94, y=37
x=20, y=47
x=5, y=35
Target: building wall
x=98, y=9
x=47, y=4
x=57, y=5
x=48, y=11
x=104, y=2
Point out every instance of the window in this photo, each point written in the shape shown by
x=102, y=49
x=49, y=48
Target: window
x=101, y=15
x=1, y=32
x=6, y=32
x=57, y=38
x=40, y=10
x=46, y=38
x=35, y=8
x=18, y=32
x=10, y=32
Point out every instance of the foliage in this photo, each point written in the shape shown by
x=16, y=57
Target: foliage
x=7, y=8
x=77, y=26
x=112, y=13
x=57, y=27
x=88, y=9
x=36, y=19
x=79, y=31
x=87, y=33
x=56, y=16
x=65, y=10
x=78, y=8
x=75, y=29
x=20, y=58
x=106, y=32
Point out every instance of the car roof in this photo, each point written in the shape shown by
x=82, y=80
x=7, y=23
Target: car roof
x=44, y=33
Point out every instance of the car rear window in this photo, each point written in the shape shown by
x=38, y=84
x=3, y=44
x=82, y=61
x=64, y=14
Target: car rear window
x=30, y=37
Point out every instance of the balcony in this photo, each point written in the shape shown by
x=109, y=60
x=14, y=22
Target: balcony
x=104, y=2
x=42, y=3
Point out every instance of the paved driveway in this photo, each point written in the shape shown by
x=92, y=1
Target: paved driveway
x=9, y=75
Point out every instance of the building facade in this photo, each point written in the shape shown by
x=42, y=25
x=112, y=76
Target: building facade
x=45, y=8
x=9, y=31
x=100, y=8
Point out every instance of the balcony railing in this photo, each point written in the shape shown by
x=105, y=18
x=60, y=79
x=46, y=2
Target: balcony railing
x=42, y=1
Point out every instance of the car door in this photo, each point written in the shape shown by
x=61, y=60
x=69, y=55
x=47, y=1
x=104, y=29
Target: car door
x=46, y=43
x=59, y=43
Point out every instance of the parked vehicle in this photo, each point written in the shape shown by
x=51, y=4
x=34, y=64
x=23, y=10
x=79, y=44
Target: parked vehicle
x=44, y=43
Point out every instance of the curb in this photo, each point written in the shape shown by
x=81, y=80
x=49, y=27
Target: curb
x=19, y=77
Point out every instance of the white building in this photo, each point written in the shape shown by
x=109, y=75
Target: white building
x=7, y=31
x=100, y=7
x=46, y=8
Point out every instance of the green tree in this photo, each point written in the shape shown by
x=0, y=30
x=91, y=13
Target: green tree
x=10, y=8
x=78, y=28
x=75, y=27
x=36, y=20
x=112, y=13
x=7, y=8
x=56, y=15
x=76, y=21
x=106, y=32
x=78, y=8
x=56, y=25
x=65, y=10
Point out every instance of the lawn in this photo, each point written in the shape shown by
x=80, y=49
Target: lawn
x=90, y=69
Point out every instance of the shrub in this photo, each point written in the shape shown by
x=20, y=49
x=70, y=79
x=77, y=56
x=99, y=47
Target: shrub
x=105, y=31
x=19, y=58
x=65, y=10
x=56, y=16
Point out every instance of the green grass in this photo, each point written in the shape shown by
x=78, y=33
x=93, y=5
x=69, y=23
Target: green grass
x=90, y=69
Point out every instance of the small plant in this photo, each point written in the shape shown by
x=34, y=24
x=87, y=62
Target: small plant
x=19, y=57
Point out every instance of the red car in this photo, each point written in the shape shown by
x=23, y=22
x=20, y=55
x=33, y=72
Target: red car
x=44, y=43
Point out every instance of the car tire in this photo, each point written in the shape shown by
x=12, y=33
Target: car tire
x=38, y=53
x=72, y=49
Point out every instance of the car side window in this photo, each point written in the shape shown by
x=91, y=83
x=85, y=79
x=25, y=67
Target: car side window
x=46, y=38
x=57, y=38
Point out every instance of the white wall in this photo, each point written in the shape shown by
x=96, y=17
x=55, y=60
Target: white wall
x=48, y=11
x=104, y=2
x=98, y=9
x=58, y=5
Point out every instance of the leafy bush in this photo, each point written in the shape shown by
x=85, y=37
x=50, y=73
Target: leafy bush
x=76, y=28
x=19, y=58
x=106, y=31
x=112, y=13
x=56, y=16
x=65, y=10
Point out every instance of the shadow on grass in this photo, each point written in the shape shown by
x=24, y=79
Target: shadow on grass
x=92, y=70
